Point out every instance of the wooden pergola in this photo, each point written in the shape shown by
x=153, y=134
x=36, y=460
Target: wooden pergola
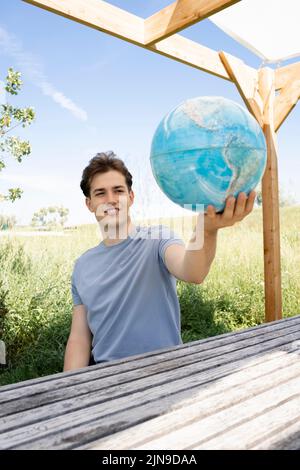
x=257, y=87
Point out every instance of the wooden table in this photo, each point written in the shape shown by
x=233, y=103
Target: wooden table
x=236, y=391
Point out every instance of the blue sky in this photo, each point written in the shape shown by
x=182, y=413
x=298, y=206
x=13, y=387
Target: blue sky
x=93, y=92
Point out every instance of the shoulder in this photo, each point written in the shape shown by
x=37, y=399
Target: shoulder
x=85, y=257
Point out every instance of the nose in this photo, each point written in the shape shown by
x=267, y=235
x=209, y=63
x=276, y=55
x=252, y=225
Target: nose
x=111, y=198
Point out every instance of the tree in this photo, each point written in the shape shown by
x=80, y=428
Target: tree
x=7, y=222
x=50, y=217
x=10, y=118
x=63, y=214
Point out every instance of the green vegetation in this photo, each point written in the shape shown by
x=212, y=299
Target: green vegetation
x=10, y=118
x=7, y=222
x=52, y=217
x=36, y=304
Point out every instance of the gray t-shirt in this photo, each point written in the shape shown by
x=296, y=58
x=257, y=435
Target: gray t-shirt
x=130, y=296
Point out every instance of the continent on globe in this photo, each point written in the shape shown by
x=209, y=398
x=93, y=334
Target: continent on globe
x=206, y=149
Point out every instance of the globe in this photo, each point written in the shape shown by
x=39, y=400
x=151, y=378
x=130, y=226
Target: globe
x=206, y=149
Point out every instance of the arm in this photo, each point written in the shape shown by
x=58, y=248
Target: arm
x=193, y=264
x=78, y=348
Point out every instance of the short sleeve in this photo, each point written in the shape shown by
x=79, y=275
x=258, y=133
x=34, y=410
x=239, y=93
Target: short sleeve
x=75, y=295
x=167, y=237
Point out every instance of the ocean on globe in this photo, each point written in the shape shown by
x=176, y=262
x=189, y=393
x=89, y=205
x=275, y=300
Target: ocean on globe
x=206, y=149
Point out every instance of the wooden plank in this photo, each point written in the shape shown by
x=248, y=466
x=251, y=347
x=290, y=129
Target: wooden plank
x=287, y=342
x=95, y=420
x=180, y=15
x=239, y=386
x=246, y=81
x=287, y=74
x=73, y=429
x=257, y=430
x=285, y=102
x=122, y=402
x=190, y=53
x=281, y=438
x=64, y=379
x=109, y=387
x=270, y=196
x=99, y=15
x=210, y=432
x=125, y=394
x=109, y=19
x=63, y=388
x=72, y=377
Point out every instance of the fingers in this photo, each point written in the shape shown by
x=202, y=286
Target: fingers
x=240, y=206
x=237, y=209
x=229, y=209
x=210, y=211
x=250, y=202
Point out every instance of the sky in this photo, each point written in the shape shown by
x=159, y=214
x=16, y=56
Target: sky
x=92, y=92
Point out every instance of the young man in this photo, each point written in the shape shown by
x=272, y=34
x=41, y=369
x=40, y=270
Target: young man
x=124, y=289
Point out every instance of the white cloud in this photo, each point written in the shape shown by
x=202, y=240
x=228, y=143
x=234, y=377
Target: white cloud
x=63, y=101
x=32, y=68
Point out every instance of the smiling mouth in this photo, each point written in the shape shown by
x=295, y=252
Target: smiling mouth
x=111, y=211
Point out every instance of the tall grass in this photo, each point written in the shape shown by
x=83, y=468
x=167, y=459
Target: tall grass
x=36, y=304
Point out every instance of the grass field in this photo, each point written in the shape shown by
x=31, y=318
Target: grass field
x=36, y=305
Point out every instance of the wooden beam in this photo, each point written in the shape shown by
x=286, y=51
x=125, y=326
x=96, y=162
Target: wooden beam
x=110, y=19
x=285, y=75
x=180, y=15
x=190, y=53
x=285, y=102
x=270, y=196
x=246, y=81
x=98, y=15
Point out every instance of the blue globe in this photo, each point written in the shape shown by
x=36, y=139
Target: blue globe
x=206, y=149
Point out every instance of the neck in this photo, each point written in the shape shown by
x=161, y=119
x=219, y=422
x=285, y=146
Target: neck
x=122, y=233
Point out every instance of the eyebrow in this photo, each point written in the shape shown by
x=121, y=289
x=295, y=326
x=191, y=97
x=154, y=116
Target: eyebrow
x=114, y=187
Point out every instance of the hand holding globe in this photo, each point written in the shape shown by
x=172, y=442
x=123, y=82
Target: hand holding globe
x=235, y=211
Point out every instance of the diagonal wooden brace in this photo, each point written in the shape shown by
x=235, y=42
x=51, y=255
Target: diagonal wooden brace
x=246, y=81
x=285, y=102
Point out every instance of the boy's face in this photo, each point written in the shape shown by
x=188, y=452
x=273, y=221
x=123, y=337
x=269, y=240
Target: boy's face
x=109, y=198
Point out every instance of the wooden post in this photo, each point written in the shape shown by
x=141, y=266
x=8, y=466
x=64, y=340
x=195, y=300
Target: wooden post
x=258, y=93
x=270, y=197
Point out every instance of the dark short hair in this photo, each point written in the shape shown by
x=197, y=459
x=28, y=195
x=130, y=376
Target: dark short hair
x=101, y=163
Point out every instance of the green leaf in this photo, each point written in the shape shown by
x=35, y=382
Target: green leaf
x=13, y=82
x=10, y=118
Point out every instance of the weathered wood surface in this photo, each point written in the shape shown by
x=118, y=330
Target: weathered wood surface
x=240, y=390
